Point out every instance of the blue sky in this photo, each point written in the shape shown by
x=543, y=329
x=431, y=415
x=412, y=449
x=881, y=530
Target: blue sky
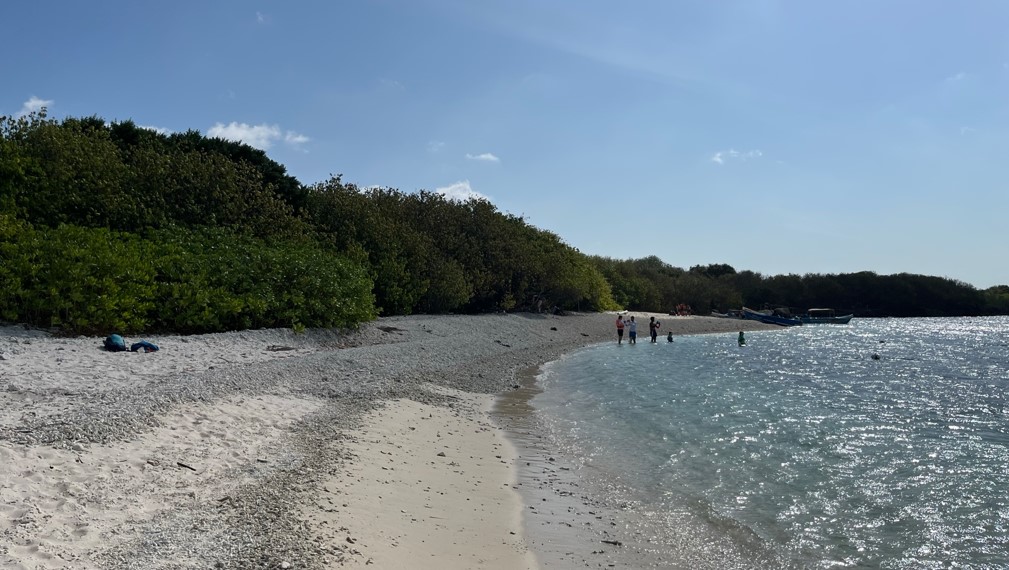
x=777, y=136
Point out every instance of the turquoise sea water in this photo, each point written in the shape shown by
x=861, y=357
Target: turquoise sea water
x=799, y=449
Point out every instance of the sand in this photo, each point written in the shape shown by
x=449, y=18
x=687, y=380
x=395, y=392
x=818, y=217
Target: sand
x=268, y=449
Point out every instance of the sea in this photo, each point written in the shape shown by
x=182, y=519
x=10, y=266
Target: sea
x=883, y=443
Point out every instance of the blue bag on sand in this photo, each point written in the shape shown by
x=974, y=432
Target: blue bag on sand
x=146, y=346
x=115, y=343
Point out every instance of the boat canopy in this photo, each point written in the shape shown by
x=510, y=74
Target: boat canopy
x=821, y=312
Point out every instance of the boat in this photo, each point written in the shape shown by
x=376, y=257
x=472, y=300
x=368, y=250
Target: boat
x=770, y=318
x=824, y=317
x=727, y=315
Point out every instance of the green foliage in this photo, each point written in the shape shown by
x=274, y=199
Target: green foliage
x=115, y=227
x=93, y=280
x=87, y=173
x=650, y=285
x=997, y=299
x=431, y=254
x=75, y=279
x=214, y=280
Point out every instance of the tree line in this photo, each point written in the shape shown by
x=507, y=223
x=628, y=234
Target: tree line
x=111, y=226
x=649, y=284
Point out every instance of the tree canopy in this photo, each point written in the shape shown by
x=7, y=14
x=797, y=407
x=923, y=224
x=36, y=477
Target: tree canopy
x=110, y=226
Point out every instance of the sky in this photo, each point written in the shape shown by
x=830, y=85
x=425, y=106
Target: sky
x=775, y=136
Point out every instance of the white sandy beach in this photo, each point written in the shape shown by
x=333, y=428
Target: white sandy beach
x=266, y=449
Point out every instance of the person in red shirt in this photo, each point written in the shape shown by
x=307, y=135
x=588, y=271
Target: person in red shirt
x=620, y=329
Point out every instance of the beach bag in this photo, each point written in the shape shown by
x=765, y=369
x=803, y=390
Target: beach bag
x=115, y=343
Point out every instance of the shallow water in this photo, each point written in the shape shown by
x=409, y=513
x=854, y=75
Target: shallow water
x=798, y=449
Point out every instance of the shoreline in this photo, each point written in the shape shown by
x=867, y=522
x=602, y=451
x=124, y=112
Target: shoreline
x=207, y=452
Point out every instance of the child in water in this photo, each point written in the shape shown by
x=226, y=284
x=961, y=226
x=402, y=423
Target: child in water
x=669, y=337
x=742, y=339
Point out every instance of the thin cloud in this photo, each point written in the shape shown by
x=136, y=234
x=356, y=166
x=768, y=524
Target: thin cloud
x=722, y=156
x=260, y=17
x=34, y=104
x=293, y=138
x=460, y=191
x=435, y=146
x=159, y=130
x=259, y=136
x=391, y=84
x=485, y=157
x=956, y=77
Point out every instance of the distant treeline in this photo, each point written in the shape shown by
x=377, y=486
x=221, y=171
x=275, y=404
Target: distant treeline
x=651, y=285
x=110, y=226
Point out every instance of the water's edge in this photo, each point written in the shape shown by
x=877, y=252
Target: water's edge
x=565, y=526
x=577, y=516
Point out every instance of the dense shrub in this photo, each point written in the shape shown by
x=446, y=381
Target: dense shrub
x=94, y=280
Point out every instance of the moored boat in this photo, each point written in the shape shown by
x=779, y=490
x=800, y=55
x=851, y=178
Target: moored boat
x=727, y=315
x=824, y=317
x=770, y=318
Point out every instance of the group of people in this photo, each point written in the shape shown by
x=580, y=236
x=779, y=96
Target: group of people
x=631, y=326
x=632, y=330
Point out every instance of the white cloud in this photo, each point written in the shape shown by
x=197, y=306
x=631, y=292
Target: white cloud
x=956, y=77
x=295, y=139
x=159, y=130
x=732, y=154
x=460, y=191
x=260, y=17
x=259, y=136
x=34, y=104
x=435, y=146
x=485, y=157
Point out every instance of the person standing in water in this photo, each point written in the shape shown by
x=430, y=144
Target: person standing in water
x=620, y=329
x=632, y=331
x=653, y=329
x=669, y=337
x=742, y=339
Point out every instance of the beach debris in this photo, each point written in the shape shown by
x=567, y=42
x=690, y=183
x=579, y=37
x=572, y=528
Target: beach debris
x=181, y=464
x=114, y=343
x=441, y=454
x=279, y=348
x=144, y=345
x=613, y=542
